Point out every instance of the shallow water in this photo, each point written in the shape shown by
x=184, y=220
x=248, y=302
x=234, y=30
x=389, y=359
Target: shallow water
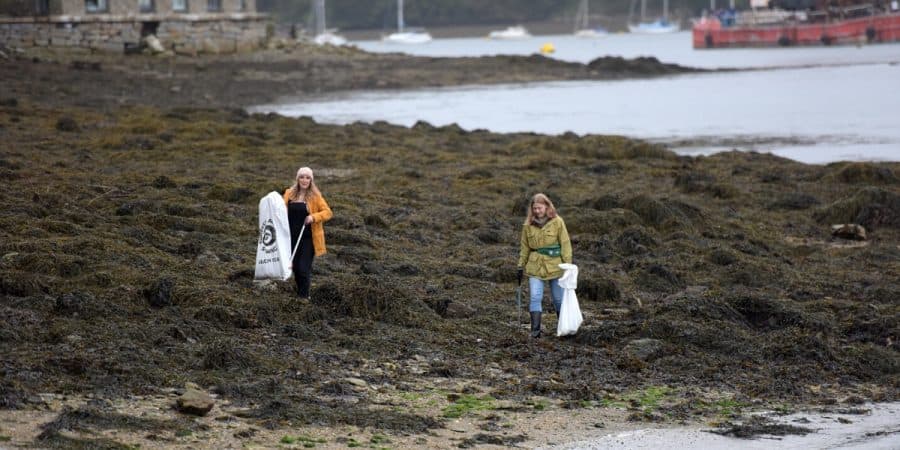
x=814, y=115
x=829, y=104
x=671, y=48
x=878, y=430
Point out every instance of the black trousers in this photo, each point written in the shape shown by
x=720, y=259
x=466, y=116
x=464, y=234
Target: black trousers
x=303, y=266
x=303, y=259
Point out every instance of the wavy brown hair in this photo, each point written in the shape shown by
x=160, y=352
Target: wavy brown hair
x=540, y=198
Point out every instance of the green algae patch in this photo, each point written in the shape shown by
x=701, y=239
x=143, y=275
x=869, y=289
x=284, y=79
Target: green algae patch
x=467, y=404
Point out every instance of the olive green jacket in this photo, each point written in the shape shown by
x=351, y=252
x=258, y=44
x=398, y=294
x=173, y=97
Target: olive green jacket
x=533, y=238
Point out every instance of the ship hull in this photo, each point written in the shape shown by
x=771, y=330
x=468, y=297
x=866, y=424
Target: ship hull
x=882, y=28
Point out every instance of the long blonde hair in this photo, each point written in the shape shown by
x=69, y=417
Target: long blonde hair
x=313, y=190
x=540, y=197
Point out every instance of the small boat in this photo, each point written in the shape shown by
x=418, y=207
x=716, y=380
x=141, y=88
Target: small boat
x=329, y=37
x=661, y=25
x=592, y=33
x=325, y=36
x=582, y=21
x=764, y=27
x=409, y=36
x=406, y=35
x=516, y=32
x=655, y=27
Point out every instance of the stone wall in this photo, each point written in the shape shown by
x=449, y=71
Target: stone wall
x=184, y=33
x=17, y=8
x=76, y=7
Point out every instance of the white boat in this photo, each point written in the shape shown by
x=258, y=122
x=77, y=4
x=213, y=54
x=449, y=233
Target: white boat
x=656, y=27
x=325, y=36
x=516, y=32
x=329, y=37
x=661, y=25
x=582, y=24
x=406, y=35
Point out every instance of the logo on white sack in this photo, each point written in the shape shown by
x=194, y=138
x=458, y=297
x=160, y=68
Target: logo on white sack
x=267, y=237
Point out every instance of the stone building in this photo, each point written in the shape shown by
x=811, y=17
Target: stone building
x=183, y=26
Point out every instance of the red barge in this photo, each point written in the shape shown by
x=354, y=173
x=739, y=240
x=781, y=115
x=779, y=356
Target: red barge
x=769, y=28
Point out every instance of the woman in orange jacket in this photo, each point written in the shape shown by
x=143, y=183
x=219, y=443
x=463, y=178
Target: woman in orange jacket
x=306, y=206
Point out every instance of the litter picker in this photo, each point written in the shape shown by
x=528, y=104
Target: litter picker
x=297, y=245
x=519, y=300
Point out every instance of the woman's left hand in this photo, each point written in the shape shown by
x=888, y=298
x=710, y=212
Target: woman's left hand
x=309, y=220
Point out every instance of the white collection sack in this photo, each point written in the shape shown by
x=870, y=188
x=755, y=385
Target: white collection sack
x=570, y=314
x=273, y=250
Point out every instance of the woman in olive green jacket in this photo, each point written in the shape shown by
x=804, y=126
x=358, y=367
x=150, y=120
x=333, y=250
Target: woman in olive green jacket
x=544, y=245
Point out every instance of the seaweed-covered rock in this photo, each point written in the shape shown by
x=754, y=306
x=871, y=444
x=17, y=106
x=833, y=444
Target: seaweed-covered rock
x=230, y=194
x=722, y=257
x=490, y=235
x=644, y=349
x=658, y=278
x=698, y=182
x=794, y=201
x=67, y=124
x=160, y=293
x=74, y=302
x=227, y=354
x=599, y=222
x=21, y=284
x=381, y=298
x=163, y=182
x=658, y=213
x=338, y=236
x=871, y=207
x=607, y=201
x=764, y=313
x=635, y=241
x=597, y=288
x=457, y=310
x=859, y=172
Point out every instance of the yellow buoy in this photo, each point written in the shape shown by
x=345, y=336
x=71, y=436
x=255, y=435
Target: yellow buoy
x=548, y=48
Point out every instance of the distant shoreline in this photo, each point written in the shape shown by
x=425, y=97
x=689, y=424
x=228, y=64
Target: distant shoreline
x=546, y=27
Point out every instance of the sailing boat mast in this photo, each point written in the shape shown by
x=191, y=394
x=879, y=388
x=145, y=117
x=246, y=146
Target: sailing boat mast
x=400, y=16
x=666, y=10
x=320, y=17
x=581, y=21
x=643, y=10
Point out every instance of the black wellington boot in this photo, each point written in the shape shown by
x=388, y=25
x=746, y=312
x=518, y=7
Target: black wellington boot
x=535, y=324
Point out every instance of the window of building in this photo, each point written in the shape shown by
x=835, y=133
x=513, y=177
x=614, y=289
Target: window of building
x=243, y=5
x=213, y=5
x=147, y=6
x=180, y=5
x=96, y=6
x=41, y=7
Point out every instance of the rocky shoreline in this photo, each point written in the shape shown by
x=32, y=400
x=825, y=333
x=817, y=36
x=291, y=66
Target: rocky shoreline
x=711, y=286
x=101, y=81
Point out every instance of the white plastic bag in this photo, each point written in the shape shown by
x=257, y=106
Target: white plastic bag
x=570, y=317
x=273, y=250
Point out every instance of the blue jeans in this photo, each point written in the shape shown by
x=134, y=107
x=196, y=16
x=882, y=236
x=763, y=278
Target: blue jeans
x=536, y=288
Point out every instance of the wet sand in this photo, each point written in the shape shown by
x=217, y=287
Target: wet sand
x=871, y=426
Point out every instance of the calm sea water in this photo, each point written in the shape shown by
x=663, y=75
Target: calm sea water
x=671, y=48
x=822, y=104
